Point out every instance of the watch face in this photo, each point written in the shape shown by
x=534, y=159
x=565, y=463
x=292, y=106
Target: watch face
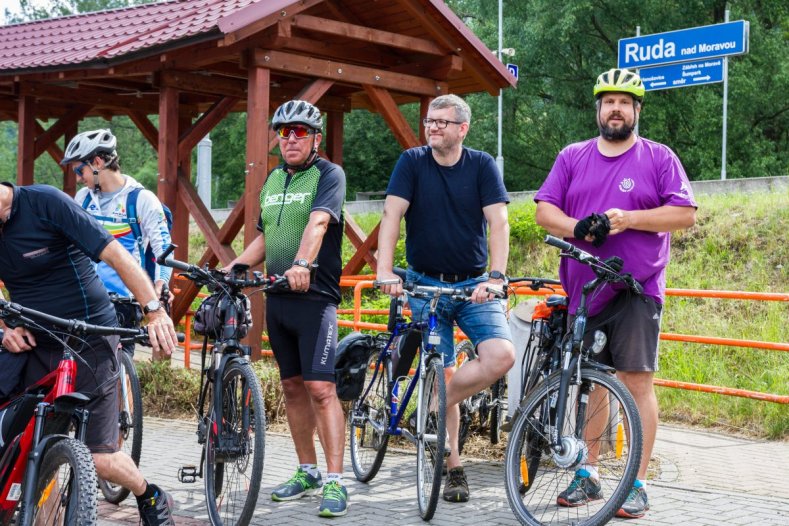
x=152, y=306
x=302, y=263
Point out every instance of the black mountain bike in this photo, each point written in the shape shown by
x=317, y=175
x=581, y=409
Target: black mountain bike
x=231, y=416
x=551, y=436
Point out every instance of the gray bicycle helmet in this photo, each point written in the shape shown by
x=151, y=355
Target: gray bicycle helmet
x=87, y=145
x=297, y=112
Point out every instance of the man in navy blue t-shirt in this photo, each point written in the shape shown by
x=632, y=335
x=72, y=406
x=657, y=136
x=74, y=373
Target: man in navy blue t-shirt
x=449, y=196
x=46, y=245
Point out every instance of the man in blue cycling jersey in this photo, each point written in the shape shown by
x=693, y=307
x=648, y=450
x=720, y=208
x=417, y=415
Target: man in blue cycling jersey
x=47, y=243
x=105, y=197
x=449, y=196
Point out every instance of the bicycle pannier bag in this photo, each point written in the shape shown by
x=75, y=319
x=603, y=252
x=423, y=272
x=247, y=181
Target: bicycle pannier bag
x=353, y=353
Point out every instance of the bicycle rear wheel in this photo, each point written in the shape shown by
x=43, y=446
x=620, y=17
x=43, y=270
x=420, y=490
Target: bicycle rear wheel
x=368, y=421
x=234, y=457
x=130, y=424
x=66, y=487
x=535, y=474
x=495, y=410
x=431, y=433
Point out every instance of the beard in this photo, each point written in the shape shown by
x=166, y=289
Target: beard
x=611, y=133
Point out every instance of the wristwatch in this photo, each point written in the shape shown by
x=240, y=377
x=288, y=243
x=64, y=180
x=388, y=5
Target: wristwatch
x=495, y=274
x=152, y=306
x=302, y=263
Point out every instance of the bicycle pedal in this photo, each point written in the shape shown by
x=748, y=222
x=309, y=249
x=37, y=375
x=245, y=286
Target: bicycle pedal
x=187, y=474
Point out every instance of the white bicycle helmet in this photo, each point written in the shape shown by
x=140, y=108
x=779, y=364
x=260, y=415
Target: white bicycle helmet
x=297, y=112
x=87, y=145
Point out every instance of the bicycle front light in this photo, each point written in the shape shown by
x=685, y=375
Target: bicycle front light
x=600, y=339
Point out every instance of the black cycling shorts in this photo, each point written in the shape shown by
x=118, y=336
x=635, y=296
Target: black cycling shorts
x=98, y=379
x=632, y=325
x=303, y=336
x=129, y=317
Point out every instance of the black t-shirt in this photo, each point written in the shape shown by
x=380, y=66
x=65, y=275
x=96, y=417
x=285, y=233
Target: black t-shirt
x=286, y=203
x=45, y=248
x=445, y=226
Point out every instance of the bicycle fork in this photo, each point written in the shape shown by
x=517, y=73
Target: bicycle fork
x=569, y=450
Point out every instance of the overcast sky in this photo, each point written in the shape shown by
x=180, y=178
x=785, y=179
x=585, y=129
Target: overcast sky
x=13, y=6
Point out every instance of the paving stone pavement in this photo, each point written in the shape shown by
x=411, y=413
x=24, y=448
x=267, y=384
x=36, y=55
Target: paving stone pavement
x=706, y=479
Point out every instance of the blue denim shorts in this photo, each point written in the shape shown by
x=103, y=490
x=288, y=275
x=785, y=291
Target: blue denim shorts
x=479, y=321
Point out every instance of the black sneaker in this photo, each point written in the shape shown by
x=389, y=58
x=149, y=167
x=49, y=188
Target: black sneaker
x=581, y=490
x=635, y=506
x=157, y=511
x=456, y=487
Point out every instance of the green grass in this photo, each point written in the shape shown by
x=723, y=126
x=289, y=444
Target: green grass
x=740, y=242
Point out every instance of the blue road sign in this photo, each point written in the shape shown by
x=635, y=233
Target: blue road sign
x=684, y=45
x=682, y=75
x=513, y=69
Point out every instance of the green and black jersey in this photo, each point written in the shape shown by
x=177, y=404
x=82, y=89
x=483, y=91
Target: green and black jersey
x=285, y=205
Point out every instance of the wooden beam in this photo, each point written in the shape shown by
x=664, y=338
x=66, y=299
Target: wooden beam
x=53, y=149
x=388, y=109
x=210, y=84
x=202, y=216
x=347, y=73
x=69, y=177
x=364, y=254
x=146, y=127
x=236, y=26
x=371, y=56
x=436, y=68
x=334, y=136
x=424, y=105
x=54, y=132
x=417, y=10
x=26, y=141
x=367, y=34
x=204, y=124
x=90, y=96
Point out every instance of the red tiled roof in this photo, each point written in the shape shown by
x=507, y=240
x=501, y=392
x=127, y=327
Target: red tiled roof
x=102, y=36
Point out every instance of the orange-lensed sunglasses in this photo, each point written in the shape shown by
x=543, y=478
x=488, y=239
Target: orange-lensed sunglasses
x=299, y=131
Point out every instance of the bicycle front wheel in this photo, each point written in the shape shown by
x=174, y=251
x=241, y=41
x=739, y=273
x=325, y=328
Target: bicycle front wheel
x=431, y=434
x=130, y=425
x=235, y=447
x=602, y=427
x=368, y=420
x=494, y=419
x=66, y=487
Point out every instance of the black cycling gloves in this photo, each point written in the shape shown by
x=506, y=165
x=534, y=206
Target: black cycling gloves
x=595, y=225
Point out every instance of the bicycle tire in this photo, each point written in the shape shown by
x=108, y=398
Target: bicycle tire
x=74, y=502
x=618, y=468
x=495, y=411
x=130, y=426
x=234, y=461
x=430, y=436
x=368, y=446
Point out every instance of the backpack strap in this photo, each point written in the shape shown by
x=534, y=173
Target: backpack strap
x=86, y=202
x=134, y=220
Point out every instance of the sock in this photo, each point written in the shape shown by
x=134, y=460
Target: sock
x=334, y=477
x=640, y=483
x=587, y=470
x=149, y=493
x=311, y=469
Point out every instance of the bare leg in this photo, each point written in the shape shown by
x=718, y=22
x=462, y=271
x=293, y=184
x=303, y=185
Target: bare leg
x=301, y=418
x=328, y=415
x=119, y=468
x=640, y=386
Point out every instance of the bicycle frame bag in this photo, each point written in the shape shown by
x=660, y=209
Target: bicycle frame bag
x=210, y=317
x=350, y=364
x=405, y=352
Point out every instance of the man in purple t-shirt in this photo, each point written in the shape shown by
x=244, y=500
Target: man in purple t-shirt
x=619, y=195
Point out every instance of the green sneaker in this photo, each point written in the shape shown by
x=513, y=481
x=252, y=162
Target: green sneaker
x=636, y=505
x=582, y=489
x=335, y=500
x=300, y=485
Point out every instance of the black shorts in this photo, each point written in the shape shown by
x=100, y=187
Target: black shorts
x=303, y=337
x=98, y=379
x=632, y=325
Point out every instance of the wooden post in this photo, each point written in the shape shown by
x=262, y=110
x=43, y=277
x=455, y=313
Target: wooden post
x=334, y=136
x=69, y=177
x=257, y=169
x=181, y=212
x=26, y=141
x=424, y=105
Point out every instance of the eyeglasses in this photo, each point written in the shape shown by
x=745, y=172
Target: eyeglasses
x=299, y=131
x=78, y=169
x=440, y=123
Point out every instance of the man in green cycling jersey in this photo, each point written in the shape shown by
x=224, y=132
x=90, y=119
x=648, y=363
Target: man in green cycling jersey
x=300, y=226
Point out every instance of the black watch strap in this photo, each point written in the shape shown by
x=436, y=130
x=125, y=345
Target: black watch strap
x=495, y=274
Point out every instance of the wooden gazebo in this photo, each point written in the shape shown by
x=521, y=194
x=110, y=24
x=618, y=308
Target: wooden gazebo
x=191, y=62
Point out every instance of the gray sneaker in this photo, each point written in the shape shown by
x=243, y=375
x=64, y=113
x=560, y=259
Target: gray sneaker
x=581, y=490
x=300, y=485
x=335, y=500
x=157, y=511
x=636, y=505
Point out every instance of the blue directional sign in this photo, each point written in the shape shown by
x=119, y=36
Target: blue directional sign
x=513, y=69
x=683, y=75
x=684, y=45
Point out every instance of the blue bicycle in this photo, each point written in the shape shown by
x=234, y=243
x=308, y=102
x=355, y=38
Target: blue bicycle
x=389, y=385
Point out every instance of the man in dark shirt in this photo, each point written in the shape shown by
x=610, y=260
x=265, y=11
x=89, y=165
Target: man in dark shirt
x=46, y=241
x=449, y=195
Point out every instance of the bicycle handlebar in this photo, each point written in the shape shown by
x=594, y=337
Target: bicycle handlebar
x=601, y=268
x=462, y=294
x=535, y=283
